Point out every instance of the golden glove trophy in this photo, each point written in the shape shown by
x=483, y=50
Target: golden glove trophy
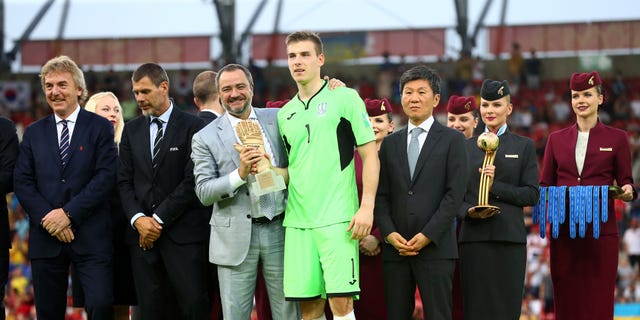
x=488, y=142
x=266, y=179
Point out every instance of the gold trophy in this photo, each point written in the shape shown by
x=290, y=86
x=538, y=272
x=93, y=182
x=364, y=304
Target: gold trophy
x=266, y=180
x=488, y=142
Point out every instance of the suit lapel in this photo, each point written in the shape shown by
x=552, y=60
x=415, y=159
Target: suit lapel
x=573, y=141
x=51, y=130
x=271, y=131
x=77, y=137
x=228, y=138
x=433, y=136
x=401, y=151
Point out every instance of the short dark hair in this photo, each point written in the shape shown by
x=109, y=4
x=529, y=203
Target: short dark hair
x=204, y=86
x=233, y=67
x=155, y=72
x=421, y=73
x=304, y=36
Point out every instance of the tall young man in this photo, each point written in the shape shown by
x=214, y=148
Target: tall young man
x=320, y=129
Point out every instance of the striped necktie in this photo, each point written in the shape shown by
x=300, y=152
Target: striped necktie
x=64, y=143
x=157, y=142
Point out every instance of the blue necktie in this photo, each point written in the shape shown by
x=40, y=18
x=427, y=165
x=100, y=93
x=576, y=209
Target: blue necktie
x=64, y=143
x=157, y=142
x=414, y=149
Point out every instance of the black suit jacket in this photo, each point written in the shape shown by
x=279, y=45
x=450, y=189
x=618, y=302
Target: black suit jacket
x=81, y=187
x=8, y=155
x=207, y=116
x=428, y=201
x=167, y=191
x=515, y=186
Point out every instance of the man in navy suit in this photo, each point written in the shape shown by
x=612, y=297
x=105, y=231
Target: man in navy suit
x=8, y=155
x=169, y=227
x=422, y=183
x=205, y=96
x=63, y=176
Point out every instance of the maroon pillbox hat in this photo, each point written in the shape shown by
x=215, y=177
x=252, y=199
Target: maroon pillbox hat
x=460, y=104
x=377, y=107
x=584, y=81
x=276, y=104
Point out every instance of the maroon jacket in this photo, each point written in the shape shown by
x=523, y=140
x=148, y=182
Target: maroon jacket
x=584, y=270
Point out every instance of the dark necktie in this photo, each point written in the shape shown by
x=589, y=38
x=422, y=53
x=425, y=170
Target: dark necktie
x=157, y=142
x=414, y=149
x=64, y=143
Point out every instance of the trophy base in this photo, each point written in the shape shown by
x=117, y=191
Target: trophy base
x=483, y=211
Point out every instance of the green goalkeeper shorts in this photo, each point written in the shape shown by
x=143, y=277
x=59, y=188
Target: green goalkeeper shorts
x=320, y=263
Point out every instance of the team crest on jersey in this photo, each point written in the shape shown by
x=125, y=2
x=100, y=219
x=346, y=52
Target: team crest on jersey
x=322, y=108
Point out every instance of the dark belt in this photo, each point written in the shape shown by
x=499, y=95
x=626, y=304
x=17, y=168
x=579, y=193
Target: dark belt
x=265, y=220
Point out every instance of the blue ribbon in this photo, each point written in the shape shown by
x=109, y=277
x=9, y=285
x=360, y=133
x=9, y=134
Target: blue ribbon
x=558, y=211
x=563, y=200
x=596, y=212
x=581, y=211
x=605, y=203
x=573, y=208
x=588, y=196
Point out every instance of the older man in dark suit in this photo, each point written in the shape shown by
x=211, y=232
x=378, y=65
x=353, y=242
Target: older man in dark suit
x=63, y=176
x=8, y=155
x=422, y=183
x=169, y=225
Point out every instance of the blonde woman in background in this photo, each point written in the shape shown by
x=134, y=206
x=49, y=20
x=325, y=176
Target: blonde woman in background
x=106, y=104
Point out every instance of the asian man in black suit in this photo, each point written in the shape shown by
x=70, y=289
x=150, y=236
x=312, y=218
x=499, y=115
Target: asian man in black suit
x=422, y=184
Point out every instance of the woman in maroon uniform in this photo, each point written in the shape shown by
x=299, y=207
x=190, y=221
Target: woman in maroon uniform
x=584, y=270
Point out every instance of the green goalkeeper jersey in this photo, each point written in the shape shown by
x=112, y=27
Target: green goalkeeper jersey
x=320, y=136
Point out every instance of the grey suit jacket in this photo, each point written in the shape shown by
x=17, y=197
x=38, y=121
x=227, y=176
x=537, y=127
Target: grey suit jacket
x=214, y=159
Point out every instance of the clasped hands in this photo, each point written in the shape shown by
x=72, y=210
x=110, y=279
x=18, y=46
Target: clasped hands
x=58, y=224
x=149, y=230
x=408, y=248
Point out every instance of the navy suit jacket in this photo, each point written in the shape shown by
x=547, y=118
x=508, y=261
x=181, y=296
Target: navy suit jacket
x=207, y=116
x=167, y=191
x=8, y=155
x=81, y=187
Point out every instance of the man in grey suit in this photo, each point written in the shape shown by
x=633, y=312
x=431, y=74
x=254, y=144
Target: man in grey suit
x=246, y=230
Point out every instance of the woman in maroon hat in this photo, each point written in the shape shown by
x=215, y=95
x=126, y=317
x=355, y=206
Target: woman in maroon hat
x=584, y=270
x=462, y=115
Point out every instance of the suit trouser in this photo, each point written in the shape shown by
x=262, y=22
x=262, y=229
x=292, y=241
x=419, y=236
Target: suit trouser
x=171, y=280
x=434, y=280
x=51, y=280
x=237, y=283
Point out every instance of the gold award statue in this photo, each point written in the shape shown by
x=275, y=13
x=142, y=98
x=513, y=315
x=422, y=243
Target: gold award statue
x=266, y=180
x=488, y=142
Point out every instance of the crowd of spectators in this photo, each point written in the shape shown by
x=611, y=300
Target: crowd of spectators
x=540, y=107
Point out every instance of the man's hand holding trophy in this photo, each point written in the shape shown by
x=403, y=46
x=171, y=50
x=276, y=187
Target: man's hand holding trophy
x=266, y=179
